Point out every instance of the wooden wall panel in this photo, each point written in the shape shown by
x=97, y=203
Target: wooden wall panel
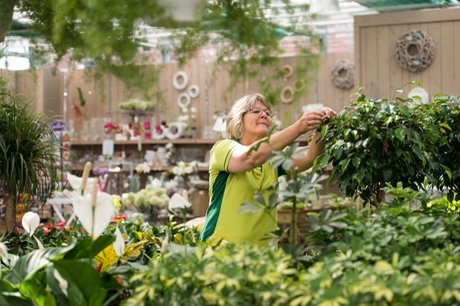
x=375, y=41
x=103, y=95
x=456, y=60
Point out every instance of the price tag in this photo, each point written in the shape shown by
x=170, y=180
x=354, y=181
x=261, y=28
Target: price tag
x=107, y=148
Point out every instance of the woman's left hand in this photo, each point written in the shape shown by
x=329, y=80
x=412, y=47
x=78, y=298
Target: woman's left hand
x=328, y=113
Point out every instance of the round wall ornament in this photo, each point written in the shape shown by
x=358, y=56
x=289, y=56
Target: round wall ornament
x=288, y=71
x=299, y=85
x=414, y=50
x=343, y=74
x=175, y=130
x=194, y=91
x=183, y=96
x=177, y=76
x=159, y=134
x=287, y=94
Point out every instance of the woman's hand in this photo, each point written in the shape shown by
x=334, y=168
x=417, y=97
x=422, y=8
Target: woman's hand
x=327, y=113
x=309, y=121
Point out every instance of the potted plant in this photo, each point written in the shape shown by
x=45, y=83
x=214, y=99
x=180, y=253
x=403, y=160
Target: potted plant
x=373, y=142
x=446, y=110
x=28, y=159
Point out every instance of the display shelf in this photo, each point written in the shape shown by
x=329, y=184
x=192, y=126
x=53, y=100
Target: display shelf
x=164, y=168
x=180, y=141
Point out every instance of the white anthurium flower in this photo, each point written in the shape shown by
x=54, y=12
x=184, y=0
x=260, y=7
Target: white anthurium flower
x=94, y=211
x=76, y=183
x=30, y=222
x=119, y=243
x=63, y=284
x=178, y=201
x=4, y=253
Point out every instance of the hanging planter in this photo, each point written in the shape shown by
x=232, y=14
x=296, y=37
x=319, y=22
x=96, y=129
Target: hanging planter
x=184, y=12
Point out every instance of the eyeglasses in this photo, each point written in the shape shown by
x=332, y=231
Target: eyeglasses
x=258, y=111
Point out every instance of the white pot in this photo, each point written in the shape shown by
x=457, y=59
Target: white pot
x=184, y=12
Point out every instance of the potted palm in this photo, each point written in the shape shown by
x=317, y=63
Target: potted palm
x=28, y=159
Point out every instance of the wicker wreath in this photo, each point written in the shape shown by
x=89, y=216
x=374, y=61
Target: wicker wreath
x=343, y=74
x=415, y=50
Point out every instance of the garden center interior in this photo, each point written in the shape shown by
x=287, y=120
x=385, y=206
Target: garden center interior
x=133, y=140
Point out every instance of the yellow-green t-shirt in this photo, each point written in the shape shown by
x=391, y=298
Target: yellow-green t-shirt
x=227, y=191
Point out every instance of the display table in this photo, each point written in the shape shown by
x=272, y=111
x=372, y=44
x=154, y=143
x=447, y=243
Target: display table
x=62, y=205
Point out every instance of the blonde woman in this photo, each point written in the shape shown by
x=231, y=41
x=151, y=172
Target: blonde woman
x=235, y=175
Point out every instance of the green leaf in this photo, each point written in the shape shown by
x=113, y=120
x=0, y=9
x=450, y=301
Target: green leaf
x=287, y=164
x=399, y=133
x=89, y=249
x=345, y=164
x=356, y=161
x=324, y=161
x=27, y=265
x=338, y=224
x=35, y=289
x=84, y=283
x=250, y=208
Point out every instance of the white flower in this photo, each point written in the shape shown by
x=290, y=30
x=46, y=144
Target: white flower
x=76, y=183
x=119, y=243
x=4, y=253
x=169, y=145
x=184, y=110
x=193, y=109
x=143, y=168
x=193, y=117
x=178, y=201
x=95, y=217
x=188, y=169
x=94, y=210
x=30, y=222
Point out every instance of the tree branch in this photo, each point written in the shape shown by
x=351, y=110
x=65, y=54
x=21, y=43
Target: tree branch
x=6, y=16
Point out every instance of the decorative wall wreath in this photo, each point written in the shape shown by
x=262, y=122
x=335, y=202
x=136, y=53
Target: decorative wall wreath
x=176, y=80
x=343, y=74
x=288, y=71
x=175, y=130
x=161, y=135
x=287, y=98
x=181, y=97
x=299, y=85
x=194, y=91
x=415, y=50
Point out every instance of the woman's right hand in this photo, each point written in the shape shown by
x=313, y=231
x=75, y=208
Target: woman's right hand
x=309, y=121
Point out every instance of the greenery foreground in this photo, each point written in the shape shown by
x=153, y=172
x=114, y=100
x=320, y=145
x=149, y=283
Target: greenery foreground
x=400, y=250
x=405, y=253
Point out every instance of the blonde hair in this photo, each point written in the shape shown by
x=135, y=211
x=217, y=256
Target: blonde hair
x=235, y=126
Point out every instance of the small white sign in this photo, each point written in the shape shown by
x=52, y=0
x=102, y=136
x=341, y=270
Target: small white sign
x=108, y=147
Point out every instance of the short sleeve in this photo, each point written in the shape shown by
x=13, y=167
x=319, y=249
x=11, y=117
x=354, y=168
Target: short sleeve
x=221, y=153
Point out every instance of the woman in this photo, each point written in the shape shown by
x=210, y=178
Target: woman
x=236, y=174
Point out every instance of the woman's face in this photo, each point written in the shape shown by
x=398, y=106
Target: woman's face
x=256, y=121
